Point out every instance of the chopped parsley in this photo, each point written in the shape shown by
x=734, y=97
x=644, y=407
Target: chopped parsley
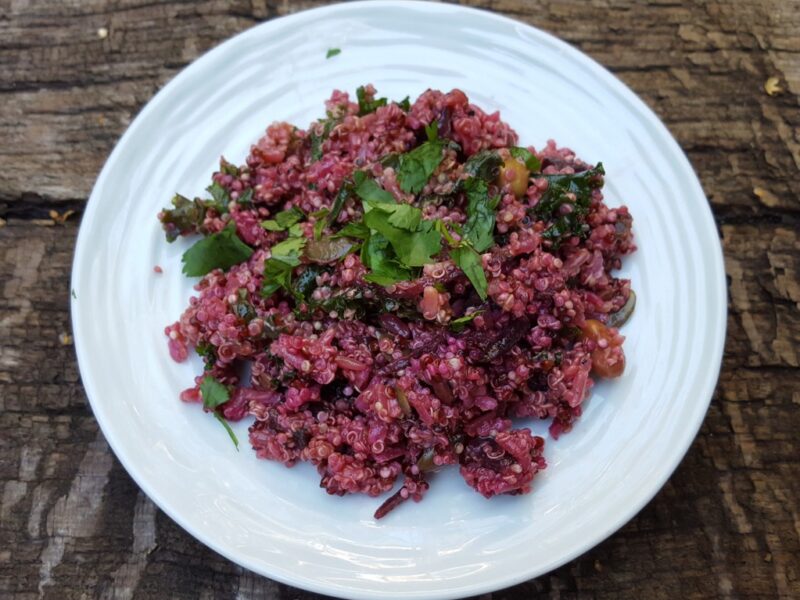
x=213, y=392
x=284, y=219
x=417, y=166
x=333, y=52
x=217, y=251
x=469, y=261
x=479, y=228
x=530, y=160
x=365, y=105
x=460, y=323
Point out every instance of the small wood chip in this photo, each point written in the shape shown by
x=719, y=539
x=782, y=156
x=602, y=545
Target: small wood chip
x=61, y=218
x=43, y=222
x=65, y=339
x=772, y=86
x=102, y=33
x=767, y=198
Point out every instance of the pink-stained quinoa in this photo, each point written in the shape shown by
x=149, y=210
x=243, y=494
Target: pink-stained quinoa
x=376, y=385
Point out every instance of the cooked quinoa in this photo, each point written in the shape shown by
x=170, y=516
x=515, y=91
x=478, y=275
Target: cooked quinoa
x=385, y=292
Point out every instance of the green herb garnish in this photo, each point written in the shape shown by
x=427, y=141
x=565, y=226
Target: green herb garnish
x=469, y=261
x=417, y=166
x=460, y=323
x=227, y=427
x=218, y=251
x=333, y=52
x=479, y=228
x=213, y=392
x=366, y=106
x=283, y=220
x=530, y=160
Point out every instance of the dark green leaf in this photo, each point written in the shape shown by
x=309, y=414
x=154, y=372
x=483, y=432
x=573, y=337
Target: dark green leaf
x=320, y=223
x=207, y=352
x=306, y=282
x=213, y=392
x=574, y=189
x=484, y=165
x=186, y=217
x=417, y=166
x=432, y=131
x=333, y=52
x=365, y=105
x=316, y=139
x=527, y=157
x=227, y=427
x=469, y=261
x=338, y=203
x=218, y=251
x=277, y=275
x=479, y=228
x=405, y=104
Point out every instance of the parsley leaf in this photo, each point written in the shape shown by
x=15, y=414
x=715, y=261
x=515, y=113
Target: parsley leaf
x=333, y=52
x=526, y=156
x=479, y=228
x=277, y=275
x=283, y=220
x=207, y=352
x=317, y=139
x=366, y=106
x=213, y=392
x=221, y=197
x=413, y=248
x=227, y=427
x=368, y=189
x=405, y=104
x=417, y=166
x=338, y=203
x=288, y=251
x=377, y=255
x=186, y=217
x=245, y=198
x=358, y=231
x=218, y=251
x=469, y=261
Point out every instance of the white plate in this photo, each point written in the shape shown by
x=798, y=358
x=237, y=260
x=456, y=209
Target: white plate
x=278, y=522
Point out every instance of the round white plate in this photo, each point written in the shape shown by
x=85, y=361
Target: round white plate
x=277, y=521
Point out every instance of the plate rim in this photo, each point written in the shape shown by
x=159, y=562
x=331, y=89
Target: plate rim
x=638, y=500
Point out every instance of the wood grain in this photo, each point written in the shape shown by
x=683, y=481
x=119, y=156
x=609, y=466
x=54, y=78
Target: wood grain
x=726, y=525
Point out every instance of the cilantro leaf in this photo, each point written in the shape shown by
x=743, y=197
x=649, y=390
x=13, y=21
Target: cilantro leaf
x=333, y=52
x=218, y=251
x=207, y=352
x=470, y=262
x=479, y=228
x=365, y=105
x=526, y=156
x=283, y=220
x=227, y=427
x=213, y=392
x=417, y=166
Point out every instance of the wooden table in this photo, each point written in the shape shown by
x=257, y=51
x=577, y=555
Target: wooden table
x=72, y=77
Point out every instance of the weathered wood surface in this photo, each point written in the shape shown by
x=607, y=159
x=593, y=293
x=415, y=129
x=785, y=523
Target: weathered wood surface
x=74, y=525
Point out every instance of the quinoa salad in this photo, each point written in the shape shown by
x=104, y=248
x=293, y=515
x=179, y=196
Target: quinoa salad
x=398, y=288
